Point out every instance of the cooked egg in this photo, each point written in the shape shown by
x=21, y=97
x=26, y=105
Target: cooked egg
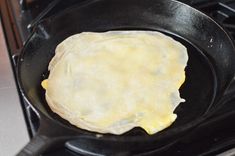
x=114, y=81
x=44, y=84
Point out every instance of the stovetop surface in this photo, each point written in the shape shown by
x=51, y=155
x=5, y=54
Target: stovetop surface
x=215, y=136
x=27, y=14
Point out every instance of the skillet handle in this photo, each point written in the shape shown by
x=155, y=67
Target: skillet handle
x=36, y=146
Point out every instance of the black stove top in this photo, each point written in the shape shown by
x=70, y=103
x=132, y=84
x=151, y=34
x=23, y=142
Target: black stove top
x=212, y=137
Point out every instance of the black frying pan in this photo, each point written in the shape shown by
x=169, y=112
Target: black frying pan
x=209, y=72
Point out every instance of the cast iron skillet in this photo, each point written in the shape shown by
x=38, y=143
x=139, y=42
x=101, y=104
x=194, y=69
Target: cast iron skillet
x=209, y=71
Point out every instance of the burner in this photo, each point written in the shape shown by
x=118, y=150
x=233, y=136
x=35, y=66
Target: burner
x=222, y=12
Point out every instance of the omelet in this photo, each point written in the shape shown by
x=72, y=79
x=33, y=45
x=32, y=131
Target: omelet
x=111, y=82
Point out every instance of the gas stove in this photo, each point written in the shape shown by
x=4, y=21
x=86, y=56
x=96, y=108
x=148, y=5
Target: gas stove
x=215, y=136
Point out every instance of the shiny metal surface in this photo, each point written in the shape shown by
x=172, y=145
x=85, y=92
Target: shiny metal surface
x=13, y=130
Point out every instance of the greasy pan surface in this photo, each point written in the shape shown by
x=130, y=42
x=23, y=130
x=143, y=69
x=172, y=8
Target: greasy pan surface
x=210, y=67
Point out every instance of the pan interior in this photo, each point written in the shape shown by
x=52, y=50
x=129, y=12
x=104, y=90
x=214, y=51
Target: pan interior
x=198, y=89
